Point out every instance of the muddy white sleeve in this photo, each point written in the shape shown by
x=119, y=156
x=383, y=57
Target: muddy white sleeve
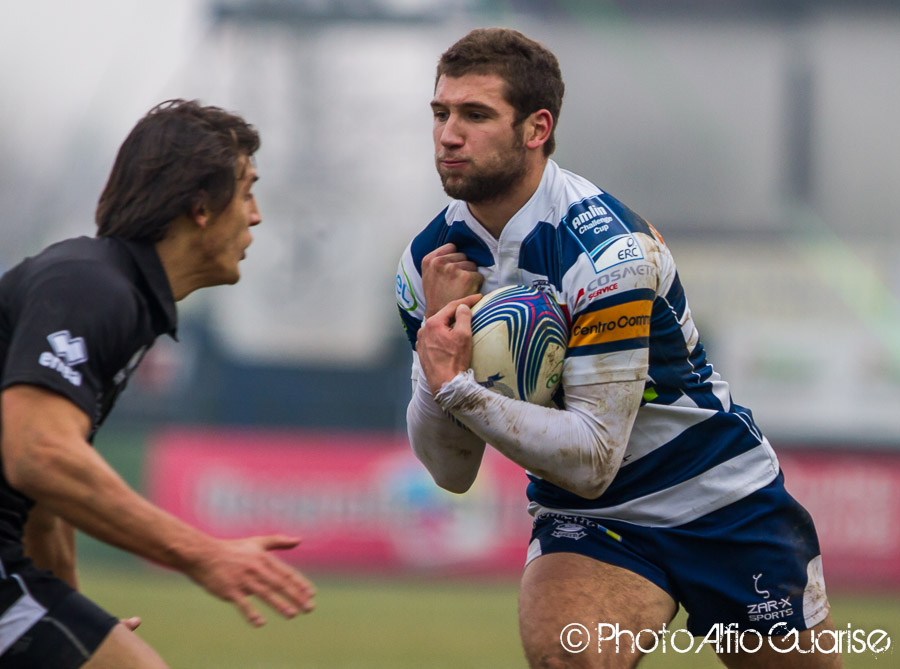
x=450, y=452
x=578, y=449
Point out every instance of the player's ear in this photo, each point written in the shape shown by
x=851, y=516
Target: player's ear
x=538, y=127
x=200, y=213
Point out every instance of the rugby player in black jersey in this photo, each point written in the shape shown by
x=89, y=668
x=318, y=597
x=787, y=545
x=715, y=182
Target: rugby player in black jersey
x=75, y=320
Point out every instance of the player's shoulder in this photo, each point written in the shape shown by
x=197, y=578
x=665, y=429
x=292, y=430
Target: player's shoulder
x=603, y=246
x=84, y=261
x=85, y=271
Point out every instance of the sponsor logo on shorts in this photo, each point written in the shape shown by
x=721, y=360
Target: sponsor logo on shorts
x=771, y=608
x=68, y=351
x=565, y=527
x=569, y=531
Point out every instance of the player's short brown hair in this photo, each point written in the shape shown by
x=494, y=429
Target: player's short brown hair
x=530, y=70
x=179, y=155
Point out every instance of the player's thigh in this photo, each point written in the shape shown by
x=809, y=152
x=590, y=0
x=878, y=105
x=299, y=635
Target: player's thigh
x=566, y=599
x=124, y=648
x=797, y=650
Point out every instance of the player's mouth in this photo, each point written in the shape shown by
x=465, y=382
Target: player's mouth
x=452, y=163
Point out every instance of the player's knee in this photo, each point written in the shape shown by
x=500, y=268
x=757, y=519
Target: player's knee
x=124, y=648
x=552, y=659
x=560, y=658
x=550, y=654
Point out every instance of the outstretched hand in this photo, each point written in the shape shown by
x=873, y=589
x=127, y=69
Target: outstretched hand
x=240, y=568
x=444, y=342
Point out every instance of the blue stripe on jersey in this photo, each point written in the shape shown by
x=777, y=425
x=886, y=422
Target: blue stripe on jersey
x=673, y=369
x=549, y=250
x=438, y=232
x=628, y=217
x=411, y=326
x=699, y=448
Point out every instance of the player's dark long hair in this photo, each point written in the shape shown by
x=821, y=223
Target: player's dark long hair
x=530, y=70
x=180, y=155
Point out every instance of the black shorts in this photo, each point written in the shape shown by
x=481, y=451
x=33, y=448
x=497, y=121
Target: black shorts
x=44, y=622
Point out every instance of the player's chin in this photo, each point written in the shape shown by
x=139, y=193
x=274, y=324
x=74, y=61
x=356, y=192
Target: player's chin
x=231, y=275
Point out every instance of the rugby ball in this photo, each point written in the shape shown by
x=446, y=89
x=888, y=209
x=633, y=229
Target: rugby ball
x=519, y=338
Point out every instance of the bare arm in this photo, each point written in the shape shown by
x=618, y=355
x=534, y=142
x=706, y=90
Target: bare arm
x=46, y=456
x=50, y=543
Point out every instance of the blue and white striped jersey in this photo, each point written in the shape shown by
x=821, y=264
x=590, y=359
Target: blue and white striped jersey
x=691, y=450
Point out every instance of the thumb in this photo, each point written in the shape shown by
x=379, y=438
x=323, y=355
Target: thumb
x=463, y=316
x=131, y=623
x=279, y=542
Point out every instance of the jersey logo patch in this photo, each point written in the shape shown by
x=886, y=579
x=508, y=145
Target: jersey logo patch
x=67, y=352
x=613, y=324
x=601, y=233
x=405, y=295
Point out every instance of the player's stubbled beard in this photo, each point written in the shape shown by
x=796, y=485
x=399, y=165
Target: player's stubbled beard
x=492, y=180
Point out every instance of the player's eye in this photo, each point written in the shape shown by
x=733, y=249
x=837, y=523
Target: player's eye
x=440, y=115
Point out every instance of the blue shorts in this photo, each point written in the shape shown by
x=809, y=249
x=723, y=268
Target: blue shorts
x=754, y=563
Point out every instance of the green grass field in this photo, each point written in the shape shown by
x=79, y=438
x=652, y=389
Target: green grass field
x=364, y=623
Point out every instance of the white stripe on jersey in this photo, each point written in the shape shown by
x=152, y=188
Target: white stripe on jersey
x=656, y=425
x=716, y=487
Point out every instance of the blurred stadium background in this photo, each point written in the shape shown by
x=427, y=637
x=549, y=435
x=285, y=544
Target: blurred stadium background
x=760, y=137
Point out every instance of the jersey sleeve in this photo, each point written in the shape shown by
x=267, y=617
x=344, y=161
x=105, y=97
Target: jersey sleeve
x=410, y=296
x=611, y=311
x=72, y=323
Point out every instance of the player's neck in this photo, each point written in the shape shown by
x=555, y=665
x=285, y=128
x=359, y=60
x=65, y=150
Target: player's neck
x=179, y=260
x=495, y=214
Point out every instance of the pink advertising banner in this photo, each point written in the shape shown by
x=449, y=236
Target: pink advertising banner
x=854, y=499
x=362, y=502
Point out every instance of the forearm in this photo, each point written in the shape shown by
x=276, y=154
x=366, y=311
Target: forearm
x=50, y=543
x=579, y=449
x=85, y=491
x=46, y=457
x=450, y=452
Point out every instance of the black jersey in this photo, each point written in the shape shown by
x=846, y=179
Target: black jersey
x=76, y=319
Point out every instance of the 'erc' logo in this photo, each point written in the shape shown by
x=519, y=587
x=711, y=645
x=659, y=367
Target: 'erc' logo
x=67, y=352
